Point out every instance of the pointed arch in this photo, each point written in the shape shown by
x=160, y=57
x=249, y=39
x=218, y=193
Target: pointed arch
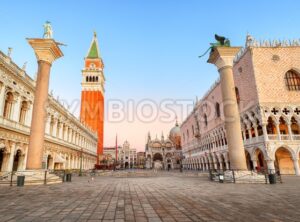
x=292, y=80
x=271, y=125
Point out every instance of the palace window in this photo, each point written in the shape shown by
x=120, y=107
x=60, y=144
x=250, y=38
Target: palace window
x=218, y=113
x=8, y=105
x=292, y=80
x=24, y=108
x=271, y=127
x=237, y=94
x=294, y=126
x=205, y=119
x=51, y=126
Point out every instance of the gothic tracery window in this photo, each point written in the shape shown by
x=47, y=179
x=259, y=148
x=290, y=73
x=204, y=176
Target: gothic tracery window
x=292, y=80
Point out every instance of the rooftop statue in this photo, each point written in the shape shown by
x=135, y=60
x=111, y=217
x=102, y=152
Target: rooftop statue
x=221, y=41
x=48, y=33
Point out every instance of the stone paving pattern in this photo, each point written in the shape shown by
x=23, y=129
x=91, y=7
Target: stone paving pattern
x=163, y=198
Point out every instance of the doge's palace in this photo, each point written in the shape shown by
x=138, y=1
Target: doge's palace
x=266, y=78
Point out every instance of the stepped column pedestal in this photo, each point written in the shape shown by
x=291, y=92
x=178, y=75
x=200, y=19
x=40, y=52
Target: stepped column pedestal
x=222, y=57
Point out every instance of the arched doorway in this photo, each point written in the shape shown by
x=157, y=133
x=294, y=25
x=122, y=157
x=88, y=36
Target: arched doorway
x=222, y=159
x=17, y=161
x=283, y=161
x=260, y=160
x=248, y=161
x=157, y=161
x=157, y=156
x=169, y=166
x=126, y=165
x=1, y=158
x=217, y=159
x=49, y=162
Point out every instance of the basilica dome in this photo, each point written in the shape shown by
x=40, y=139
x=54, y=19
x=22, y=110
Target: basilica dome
x=175, y=136
x=175, y=132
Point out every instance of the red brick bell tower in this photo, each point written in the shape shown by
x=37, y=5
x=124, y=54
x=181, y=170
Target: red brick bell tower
x=92, y=95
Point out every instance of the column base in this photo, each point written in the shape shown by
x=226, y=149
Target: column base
x=32, y=177
x=240, y=176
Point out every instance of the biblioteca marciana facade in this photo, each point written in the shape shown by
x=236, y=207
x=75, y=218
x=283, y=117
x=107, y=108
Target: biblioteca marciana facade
x=67, y=140
x=267, y=86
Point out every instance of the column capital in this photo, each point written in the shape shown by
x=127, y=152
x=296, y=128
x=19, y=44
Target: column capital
x=46, y=50
x=222, y=56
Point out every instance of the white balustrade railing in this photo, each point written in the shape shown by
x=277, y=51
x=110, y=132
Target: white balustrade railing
x=285, y=137
x=10, y=124
x=273, y=137
x=7, y=123
x=296, y=137
x=254, y=140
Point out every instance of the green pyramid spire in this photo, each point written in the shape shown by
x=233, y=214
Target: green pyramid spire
x=94, y=51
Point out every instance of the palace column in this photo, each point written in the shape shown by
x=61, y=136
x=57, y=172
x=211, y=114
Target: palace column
x=296, y=166
x=16, y=107
x=11, y=156
x=46, y=51
x=254, y=163
x=223, y=57
x=2, y=97
x=265, y=132
x=278, y=130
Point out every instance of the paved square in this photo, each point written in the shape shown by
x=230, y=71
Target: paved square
x=167, y=197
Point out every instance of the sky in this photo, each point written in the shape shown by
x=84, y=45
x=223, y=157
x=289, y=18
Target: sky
x=150, y=50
